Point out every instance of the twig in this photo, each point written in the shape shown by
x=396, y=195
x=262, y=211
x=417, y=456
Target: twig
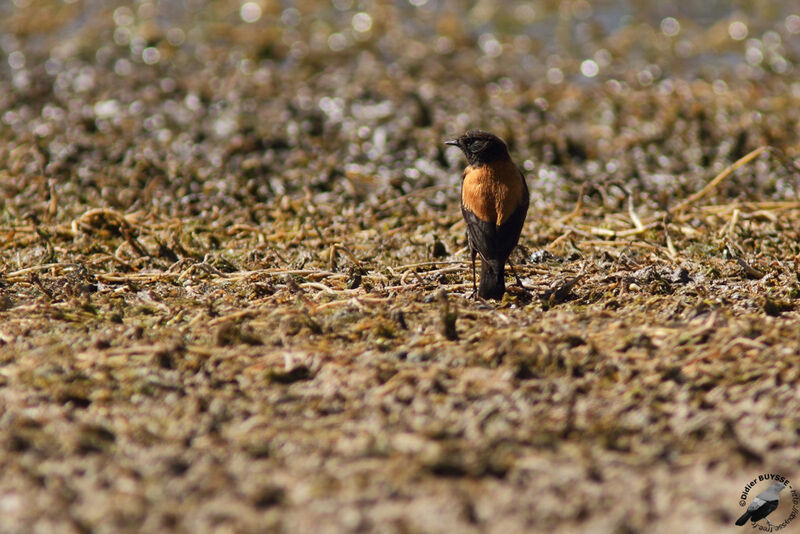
x=249, y=312
x=576, y=211
x=728, y=228
x=426, y=264
x=340, y=247
x=624, y=233
x=748, y=269
x=34, y=279
x=321, y=287
x=137, y=277
x=671, y=248
x=719, y=178
x=557, y=241
x=637, y=222
x=639, y=244
x=16, y=276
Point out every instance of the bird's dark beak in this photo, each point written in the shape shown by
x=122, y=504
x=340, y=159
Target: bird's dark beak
x=452, y=142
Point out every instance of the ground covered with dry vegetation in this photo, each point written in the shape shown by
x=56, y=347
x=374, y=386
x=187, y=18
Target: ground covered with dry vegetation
x=234, y=289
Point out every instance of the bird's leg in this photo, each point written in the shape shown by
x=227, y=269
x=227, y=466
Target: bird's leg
x=513, y=270
x=474, y=253
x=768, y=523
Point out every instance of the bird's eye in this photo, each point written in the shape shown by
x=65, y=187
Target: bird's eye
x=476, y=145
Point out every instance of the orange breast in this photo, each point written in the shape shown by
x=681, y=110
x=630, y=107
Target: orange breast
x=493, y=191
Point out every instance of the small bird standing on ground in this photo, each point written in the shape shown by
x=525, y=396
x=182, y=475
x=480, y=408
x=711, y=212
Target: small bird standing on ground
x=763, y=504
x=494, y=202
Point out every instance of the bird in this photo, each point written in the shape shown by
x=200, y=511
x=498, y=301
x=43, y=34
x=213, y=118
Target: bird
x=763, y=504
x=494, y=203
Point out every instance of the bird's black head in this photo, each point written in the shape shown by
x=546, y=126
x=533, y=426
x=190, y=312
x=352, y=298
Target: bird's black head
x=480, y=147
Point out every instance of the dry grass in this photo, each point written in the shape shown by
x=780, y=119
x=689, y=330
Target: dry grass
x=150, y=383
x=235, y=296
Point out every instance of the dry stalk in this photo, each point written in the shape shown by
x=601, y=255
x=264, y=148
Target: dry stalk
x=718, y=179
x=575, y=212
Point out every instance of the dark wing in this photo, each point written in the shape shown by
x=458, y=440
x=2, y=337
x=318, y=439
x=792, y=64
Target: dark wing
x=762, y=511
x=509, y=232
x=481, y=235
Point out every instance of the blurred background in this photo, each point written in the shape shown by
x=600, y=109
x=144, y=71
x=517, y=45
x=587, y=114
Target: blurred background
x=275, y=171
x=260, y=98
x=595, y=40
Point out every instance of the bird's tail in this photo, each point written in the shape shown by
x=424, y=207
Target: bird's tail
x=493, y=283
x=742, y=520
